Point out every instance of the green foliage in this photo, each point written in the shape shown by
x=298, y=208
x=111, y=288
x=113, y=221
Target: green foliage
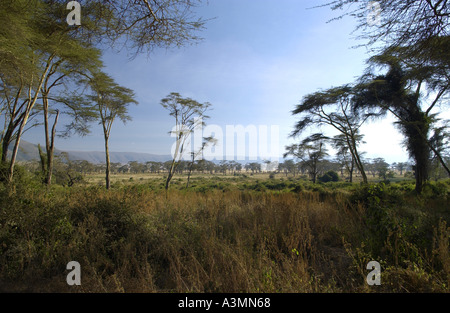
x=329, y=176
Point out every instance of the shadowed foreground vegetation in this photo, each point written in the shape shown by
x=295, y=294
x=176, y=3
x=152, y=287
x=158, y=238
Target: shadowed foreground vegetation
x=225, y=236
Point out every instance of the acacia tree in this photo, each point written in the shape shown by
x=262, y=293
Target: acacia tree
x=141, y=25
x=400, y=23
x=38, y=38
x=27, y=54
x=401, y=166
x=381, y=167
x=74, y=59
x=189, y=114
x=311, y=151
x=111, y=102
x=48, y=52
x=344, y=157
x=333, y=107
x=413, y=38
x=400, y=92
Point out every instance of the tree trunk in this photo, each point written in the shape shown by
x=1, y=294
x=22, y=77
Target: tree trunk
x=7, y=139
x=107, y=171
x=29, y=108
x=416, y=127
x=190, y=171
x=170, y=174
x=314, y=171
x=49, y=140
x=50, y=152
x=351, y=170
x=355, y=157
x=8, y=132
x=14, y=152
x=189, y=176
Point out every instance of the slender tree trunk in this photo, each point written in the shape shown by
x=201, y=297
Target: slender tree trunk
x=8, y=132
x=170, y=174
x=360, y=167
x=14, y=152
x=355, y=157
x=5, y=145
x=45, y=168
x=49, y=141
x=7, y=138
x=190, y=170
x=107, y=171
x=189, y=176
x=174, y=164
x=43, y=159
x=50, y=152
x=29, y=108
x=352, y=167
x=17, y=143
x=314, y=171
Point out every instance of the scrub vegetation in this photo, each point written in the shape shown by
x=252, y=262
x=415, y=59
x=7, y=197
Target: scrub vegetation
x=224, y=234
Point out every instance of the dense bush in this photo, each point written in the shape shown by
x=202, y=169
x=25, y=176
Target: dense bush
x=329, y=176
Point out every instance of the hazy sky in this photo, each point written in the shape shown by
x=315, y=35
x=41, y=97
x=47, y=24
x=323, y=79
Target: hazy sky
x=256, y=62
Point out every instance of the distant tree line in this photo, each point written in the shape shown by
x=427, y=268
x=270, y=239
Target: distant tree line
x=70, y=172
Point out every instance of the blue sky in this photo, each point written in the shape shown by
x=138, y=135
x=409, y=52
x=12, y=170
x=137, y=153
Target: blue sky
x=256, y=62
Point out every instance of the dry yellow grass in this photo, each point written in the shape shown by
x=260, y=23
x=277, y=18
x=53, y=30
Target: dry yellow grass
x=135, y=239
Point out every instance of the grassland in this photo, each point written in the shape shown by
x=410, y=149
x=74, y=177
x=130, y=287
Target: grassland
x=224, y=234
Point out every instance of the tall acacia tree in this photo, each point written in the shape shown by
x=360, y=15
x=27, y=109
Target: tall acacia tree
x=27, y=62
x=28, y=48
x=399, y=92
x=48, y=51
x=111, y=102
x=74, y=59
x=412, y=40
x=333, y=107
x=189, y=114
x=16, y=67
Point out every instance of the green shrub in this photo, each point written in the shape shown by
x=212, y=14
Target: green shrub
x=329, y=176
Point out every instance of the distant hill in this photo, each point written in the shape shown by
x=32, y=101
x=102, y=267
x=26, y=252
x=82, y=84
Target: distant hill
x=29, y=151
x=97, y=157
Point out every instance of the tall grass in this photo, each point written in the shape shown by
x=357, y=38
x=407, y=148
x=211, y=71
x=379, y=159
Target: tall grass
x=134, y=238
